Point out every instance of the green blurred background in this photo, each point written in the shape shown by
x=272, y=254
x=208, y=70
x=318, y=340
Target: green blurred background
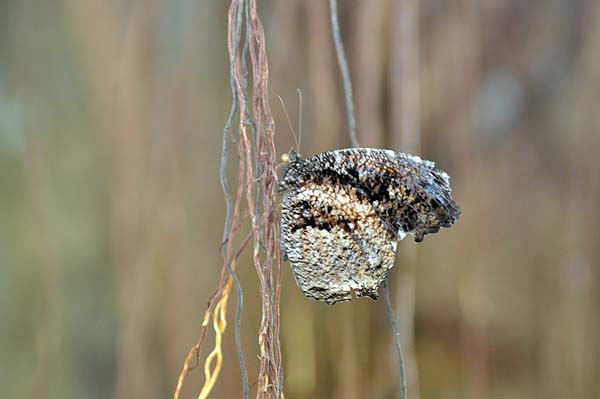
x=111, y=211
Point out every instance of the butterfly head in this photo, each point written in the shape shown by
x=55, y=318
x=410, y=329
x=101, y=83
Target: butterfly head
x=291, y=156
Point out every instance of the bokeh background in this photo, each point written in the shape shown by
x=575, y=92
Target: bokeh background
x=111, y=211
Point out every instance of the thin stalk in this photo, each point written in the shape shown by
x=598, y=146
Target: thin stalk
x=343, y=64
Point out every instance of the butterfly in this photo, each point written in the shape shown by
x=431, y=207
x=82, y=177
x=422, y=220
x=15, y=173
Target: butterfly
x=343, y=212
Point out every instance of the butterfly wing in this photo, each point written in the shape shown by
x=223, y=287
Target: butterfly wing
x=335, y=242
x=344, y=210
x=409, y=194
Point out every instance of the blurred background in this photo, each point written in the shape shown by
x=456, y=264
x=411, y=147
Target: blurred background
x=111, y=211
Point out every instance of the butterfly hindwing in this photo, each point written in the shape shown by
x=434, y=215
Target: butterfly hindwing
x=335, y=242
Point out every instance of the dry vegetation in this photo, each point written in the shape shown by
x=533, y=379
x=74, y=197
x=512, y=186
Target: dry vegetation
x=111, y=116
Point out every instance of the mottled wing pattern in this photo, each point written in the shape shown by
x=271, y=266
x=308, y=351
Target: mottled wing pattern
x=335, y=242
x=344, y=210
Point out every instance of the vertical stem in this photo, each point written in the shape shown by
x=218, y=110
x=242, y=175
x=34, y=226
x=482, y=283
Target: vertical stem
x=343, y=63
x=353, y=140
x=396, y=335
x=236, y=24
x=406, y=135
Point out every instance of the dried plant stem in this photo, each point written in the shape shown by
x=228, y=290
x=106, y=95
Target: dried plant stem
x=235, y=25
x=406, y=134
x=269, y=379
x=396, y=337
x=256, y=185
x=347, y=84
x=219, y=324
x=343, y=64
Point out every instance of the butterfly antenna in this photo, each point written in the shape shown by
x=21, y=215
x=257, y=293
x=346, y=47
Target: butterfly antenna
x=300, y=107
x=287, y=116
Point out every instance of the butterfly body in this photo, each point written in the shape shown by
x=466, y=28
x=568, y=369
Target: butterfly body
x=344, y=210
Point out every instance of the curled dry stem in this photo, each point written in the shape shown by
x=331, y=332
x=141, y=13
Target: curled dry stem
x=256, y=184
